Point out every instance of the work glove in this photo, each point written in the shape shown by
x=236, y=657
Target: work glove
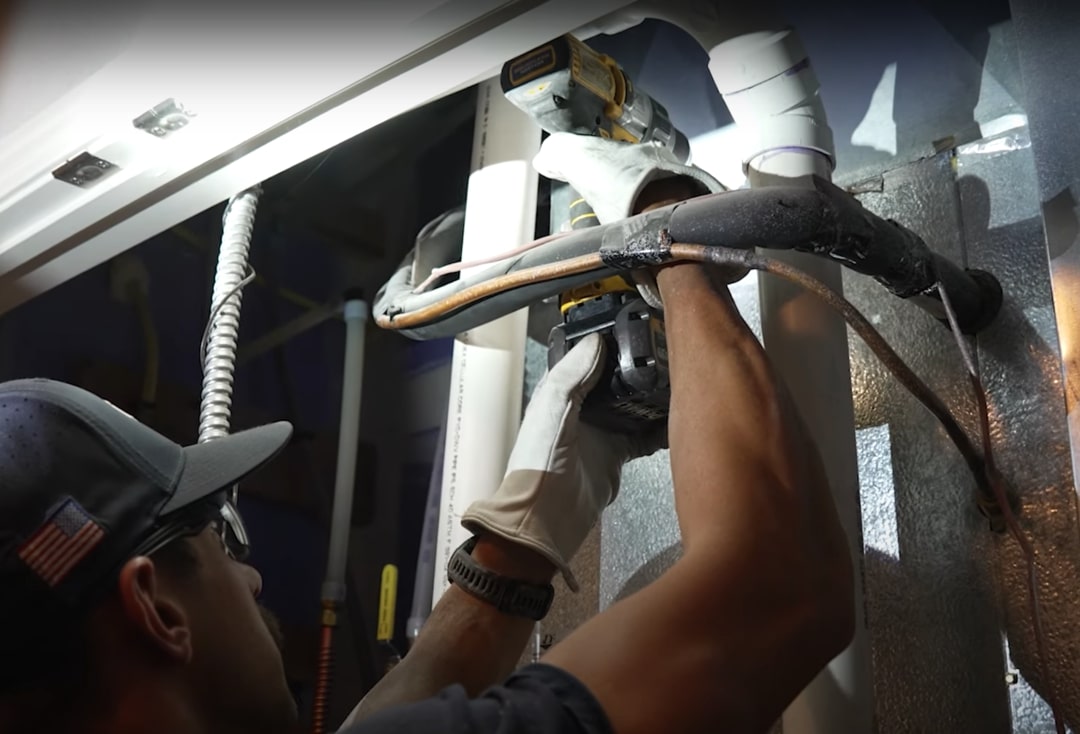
x=562, y=473
x=611, y=174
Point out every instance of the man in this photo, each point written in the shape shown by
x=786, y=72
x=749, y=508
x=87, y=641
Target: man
x=125, y=608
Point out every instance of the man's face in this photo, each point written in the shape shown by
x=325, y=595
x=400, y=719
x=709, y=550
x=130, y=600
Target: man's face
x=237, y=669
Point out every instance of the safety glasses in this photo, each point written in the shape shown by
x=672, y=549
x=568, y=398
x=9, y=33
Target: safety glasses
x=225, y=519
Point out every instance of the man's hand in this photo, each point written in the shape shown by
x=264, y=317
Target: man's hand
x=621, y=179
x=560, y=477
x=561, y=473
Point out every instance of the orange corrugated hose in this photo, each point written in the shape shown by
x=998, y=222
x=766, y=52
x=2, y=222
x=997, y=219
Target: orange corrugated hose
x=324, y=672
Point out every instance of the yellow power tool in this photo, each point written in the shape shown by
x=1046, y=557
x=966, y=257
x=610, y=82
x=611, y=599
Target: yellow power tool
x=568, y=87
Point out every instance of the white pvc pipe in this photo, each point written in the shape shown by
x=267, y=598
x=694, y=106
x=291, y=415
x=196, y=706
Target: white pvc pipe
x=772, y=93
x=356, y=316
x=808, y=345
x=429, y=539
x=488, y=368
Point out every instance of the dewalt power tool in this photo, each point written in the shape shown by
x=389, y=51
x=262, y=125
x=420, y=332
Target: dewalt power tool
x=568, y=87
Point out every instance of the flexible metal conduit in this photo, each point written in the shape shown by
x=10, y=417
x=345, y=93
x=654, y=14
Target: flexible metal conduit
x=219, y=348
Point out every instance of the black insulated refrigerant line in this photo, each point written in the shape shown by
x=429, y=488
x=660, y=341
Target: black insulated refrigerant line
x=827, y=221
x=822, y=219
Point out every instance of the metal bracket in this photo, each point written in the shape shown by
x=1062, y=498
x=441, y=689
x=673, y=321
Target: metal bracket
x=84, y=170
x=163, y=119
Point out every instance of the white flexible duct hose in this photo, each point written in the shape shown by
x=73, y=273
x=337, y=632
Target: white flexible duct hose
x=219, y=346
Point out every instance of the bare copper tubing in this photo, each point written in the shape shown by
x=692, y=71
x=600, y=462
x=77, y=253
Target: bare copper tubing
x=993, y=496
x=480, y=291
x=323, y=675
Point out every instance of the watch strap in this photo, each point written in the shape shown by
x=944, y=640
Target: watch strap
x=508, y=595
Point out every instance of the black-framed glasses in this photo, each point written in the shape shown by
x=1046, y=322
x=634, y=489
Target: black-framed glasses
x=225, y=519
x=234, y=536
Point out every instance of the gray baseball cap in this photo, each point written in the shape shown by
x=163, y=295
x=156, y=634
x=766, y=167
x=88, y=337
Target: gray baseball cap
x=83, y=485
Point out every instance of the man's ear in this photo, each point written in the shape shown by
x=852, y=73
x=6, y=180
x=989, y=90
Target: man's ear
x=155, y=614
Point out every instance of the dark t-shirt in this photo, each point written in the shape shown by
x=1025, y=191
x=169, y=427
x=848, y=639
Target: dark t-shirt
x=538, y=699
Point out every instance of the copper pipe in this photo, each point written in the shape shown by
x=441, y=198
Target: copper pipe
x=324, y=671
x=870, y=335
x=492, y=287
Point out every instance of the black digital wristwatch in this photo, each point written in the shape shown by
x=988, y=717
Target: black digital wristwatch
x=509, y=596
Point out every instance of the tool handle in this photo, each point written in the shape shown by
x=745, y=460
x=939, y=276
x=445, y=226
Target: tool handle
x=569, y=211
x=581, y=214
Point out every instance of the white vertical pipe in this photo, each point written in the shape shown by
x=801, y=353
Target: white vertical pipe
x=808, y=345
x=488, y=368
x=429, y=538
x=356, y=316
x=772, y=93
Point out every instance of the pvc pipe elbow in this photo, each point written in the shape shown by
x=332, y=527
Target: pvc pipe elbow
x=709, y=22
x=772, y=92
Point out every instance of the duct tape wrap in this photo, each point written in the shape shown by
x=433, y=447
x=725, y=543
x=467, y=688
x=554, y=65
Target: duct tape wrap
x=638, y=242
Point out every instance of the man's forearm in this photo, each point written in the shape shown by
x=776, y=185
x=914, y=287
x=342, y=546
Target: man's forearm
x=764, y=573
x=465, y=641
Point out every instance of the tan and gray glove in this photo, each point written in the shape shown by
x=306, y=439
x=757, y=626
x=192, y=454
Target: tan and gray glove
x=611, y=175
x=562, y=473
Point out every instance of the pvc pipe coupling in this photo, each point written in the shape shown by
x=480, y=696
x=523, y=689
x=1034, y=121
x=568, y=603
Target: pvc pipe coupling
x=356, y=309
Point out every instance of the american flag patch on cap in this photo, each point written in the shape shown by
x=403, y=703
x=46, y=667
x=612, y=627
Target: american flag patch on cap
x=57, y=546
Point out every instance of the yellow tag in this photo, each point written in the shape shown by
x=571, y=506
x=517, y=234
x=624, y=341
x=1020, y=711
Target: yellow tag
x=387, y=602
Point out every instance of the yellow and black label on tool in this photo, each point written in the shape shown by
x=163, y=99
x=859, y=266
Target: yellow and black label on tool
x=537, y=62
x=581, y=294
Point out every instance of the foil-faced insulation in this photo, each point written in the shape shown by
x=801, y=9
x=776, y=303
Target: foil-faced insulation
x=930, y=577
x=1020, y=362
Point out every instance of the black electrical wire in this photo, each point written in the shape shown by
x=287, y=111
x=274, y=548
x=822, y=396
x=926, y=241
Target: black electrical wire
x=217, y=310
